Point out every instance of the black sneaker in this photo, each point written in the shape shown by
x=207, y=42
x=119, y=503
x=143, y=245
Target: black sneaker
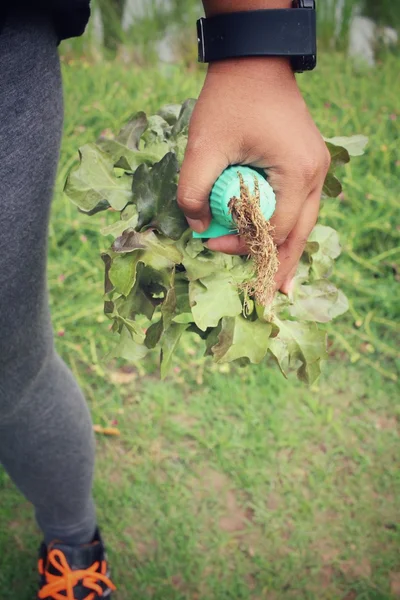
x=74, y=572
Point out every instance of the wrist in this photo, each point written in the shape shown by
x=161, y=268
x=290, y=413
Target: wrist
x=218, y=7
x=268, y=69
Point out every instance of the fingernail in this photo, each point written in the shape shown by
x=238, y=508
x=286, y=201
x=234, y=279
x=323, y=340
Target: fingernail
x=198, y=225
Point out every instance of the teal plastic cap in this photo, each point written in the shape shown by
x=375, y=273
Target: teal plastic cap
x=227, y=187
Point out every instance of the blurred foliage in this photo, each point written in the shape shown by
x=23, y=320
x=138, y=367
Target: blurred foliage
x=111, y=14
x=155, y=19
x=384, y=12
x=334, y=20
x=159, y=24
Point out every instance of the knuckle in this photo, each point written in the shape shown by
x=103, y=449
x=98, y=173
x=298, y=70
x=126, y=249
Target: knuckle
x=312, y=165
x=189, y=200
x=326, y=161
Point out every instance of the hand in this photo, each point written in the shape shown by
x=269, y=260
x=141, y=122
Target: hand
x=251, y=112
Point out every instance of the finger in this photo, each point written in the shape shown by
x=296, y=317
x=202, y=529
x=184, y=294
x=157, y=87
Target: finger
x=201, y=168
x=229, y=244
x=291, y=194
x=288, y=209
x=291, y=250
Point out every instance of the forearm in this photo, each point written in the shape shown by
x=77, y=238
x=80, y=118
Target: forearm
x=215, y=7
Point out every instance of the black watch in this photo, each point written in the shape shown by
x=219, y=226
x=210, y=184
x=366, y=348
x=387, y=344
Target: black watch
x=287, y=32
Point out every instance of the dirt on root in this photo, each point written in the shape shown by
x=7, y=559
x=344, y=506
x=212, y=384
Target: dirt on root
x=256, y=232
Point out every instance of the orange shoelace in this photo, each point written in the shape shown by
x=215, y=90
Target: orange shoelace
x=68, y=579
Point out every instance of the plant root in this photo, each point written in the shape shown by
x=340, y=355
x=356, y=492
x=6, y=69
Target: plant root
x=256, y=232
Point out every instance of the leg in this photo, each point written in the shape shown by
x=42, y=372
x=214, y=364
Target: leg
x=46, y=440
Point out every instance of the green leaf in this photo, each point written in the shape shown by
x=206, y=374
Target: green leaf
x=93, y=182
x=311, y=248
x=243, y=269
x=339, y=155
x=182, y=124
x=332, y=186
x=210, y=336
x=154, y=191
x=179, y=147
x=183, y=312
x=128, y=348
x=341, y=305
x=169, y=343
x=126, y=158
x=170, y=113
x=301, y=346
x=154, y=333
x=131, y=133
x=136, y=303
x=128, y=220
x=142, y=299
x=200, y=262
x=302, y=274
x=161, y=252
x=157, y=131
x=154, y=283
x=355, y=145
x=108, y=286
x=168, y=307
x=178, y=136
x=155, y=141
x=319, y=302
x=193, y=247
x=123, y=272
x=129, y=241
x=239, y=338
x=125, y=148
x=183, y=318
x=328, y=249
x=280, y=307
x=327, y=240
x=213, y=298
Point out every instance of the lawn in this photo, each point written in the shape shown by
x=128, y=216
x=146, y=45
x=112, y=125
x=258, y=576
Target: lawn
x=230, y=483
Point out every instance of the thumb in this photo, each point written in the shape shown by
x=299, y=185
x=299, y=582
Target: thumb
x=202, y=166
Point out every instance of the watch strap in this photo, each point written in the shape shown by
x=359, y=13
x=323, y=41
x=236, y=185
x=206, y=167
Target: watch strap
x=277, y=32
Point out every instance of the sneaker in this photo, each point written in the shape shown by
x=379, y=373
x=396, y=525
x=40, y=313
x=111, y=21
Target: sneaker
x=74, y=572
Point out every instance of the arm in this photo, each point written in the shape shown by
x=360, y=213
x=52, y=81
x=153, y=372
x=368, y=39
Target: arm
x=250, y=111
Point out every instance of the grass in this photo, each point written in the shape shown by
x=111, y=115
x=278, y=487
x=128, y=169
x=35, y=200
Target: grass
x=334, y=22
x=226, y=483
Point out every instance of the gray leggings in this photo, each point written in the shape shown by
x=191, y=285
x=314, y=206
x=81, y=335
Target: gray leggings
x=46, y=439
